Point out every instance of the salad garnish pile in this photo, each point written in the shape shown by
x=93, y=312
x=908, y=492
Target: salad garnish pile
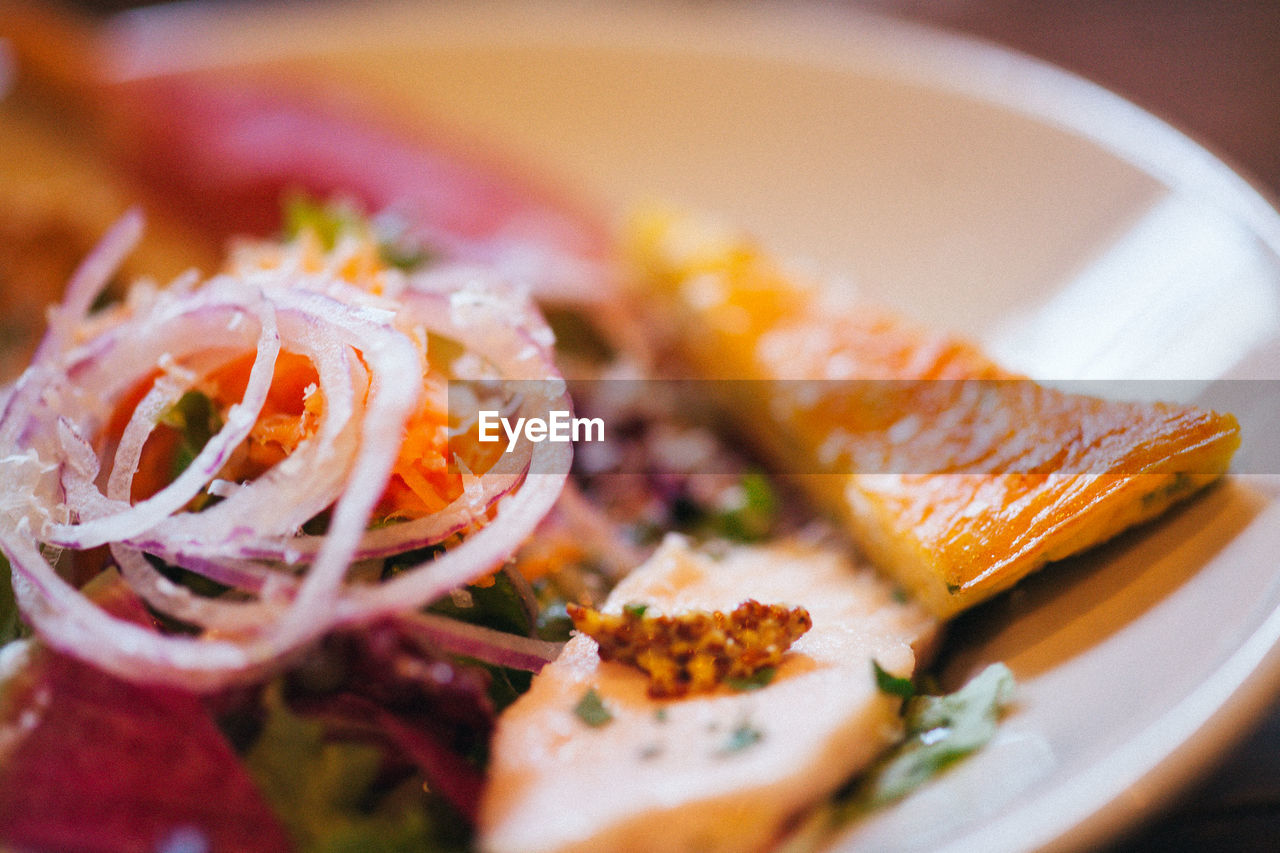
x=307, y=376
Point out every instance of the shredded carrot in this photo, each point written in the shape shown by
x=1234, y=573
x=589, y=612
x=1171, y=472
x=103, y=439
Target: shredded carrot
x=356, y=260
x=421, y=482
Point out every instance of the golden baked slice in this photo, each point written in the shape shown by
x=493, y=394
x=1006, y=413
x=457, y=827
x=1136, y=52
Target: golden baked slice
x=957, y=477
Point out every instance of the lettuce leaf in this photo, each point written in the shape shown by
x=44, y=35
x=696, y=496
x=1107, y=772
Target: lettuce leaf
x=940, y=730
x=332, y=795
x=11, y=626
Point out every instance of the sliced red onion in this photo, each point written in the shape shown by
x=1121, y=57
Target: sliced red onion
x=488, y=333
x=388, y=408
x=128, y=522
x=479, y=642
x=88, y=282
x=290, y=588
x=268, y=514
x=69, y=622
x=227, y=617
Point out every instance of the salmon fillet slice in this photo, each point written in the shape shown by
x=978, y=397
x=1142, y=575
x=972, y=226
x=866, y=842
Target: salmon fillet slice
x=955, y=476
x=722, y=770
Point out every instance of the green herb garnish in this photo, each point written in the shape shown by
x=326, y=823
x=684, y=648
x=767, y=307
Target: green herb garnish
x=591, y=709
x=751, y=515
x=329, y=221
x=403, y=257
x=332, y=794
x=760, y=678
x=635, y=609
x=892, y=684
x=742, y=737
x=497, y=605
x=940, y=731
x=554, y=624
x=197, y=420
x=746, y=512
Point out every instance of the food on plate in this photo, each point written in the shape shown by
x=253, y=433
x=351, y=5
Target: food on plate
x=957, y=477
x=719, y=770
x=247, y=497
x=267, y=428
x=246, y=490
x=257, y=531
x=691, y=651
x=89, y=762
x=254, y=481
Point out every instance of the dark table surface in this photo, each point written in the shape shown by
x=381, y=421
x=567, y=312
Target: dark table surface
x=1212, y=69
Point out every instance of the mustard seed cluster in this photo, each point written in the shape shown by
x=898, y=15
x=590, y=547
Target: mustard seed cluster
x=697, y=650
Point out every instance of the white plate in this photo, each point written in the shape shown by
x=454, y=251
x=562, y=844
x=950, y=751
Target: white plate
x=1077, y=236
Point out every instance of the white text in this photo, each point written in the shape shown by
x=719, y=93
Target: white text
x=559, y=425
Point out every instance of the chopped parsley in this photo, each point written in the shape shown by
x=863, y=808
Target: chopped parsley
x=892, y=684
x=635, y=608
x=752, y=517
x=329, y=221
x=743, y=736
x=197, y=420
x=760, y=678
x=745, y=512
x=940, y=730
x=591, y=709
x=11, y=627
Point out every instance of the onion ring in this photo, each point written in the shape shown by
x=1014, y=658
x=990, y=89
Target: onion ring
x=70, y=484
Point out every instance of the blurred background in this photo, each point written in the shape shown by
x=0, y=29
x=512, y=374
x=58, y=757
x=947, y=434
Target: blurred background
x=1211, y=69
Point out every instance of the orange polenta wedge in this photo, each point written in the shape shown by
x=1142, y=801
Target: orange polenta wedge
x=958, y=478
